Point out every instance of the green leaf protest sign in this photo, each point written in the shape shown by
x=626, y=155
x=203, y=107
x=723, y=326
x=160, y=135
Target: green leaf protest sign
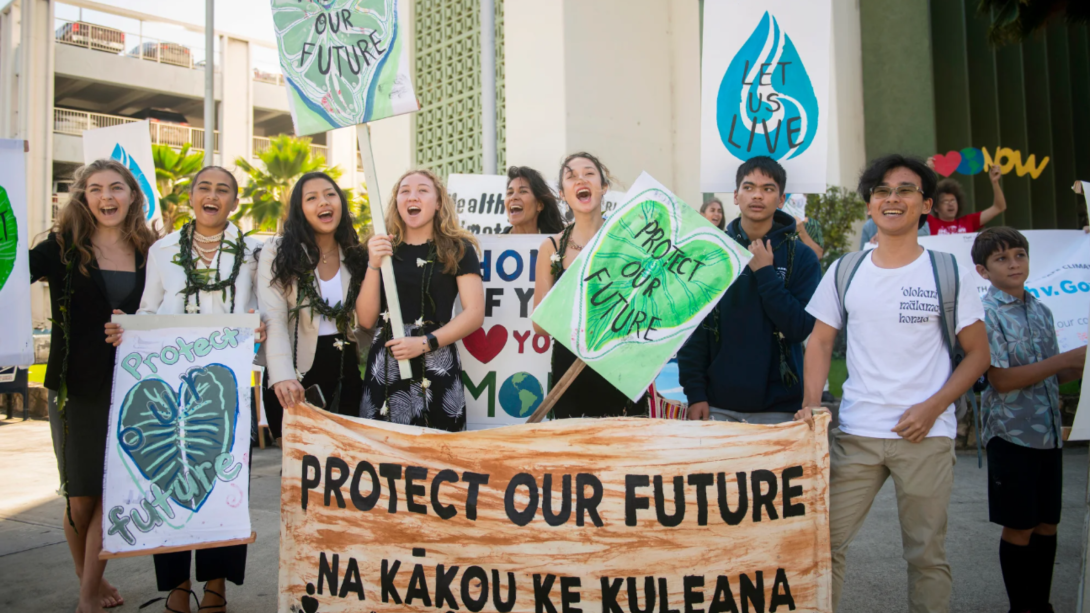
x=344, y=62
x=641, y=286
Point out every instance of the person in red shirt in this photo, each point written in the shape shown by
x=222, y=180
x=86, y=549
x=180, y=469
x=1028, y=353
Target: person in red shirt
x=949, y=200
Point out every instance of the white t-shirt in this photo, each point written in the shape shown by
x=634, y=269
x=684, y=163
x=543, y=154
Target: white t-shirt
x=896, y=354
x=331, y=293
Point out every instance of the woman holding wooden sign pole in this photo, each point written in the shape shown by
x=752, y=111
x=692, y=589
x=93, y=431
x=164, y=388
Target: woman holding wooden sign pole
x=435, y=261
x=208, y=267
x=583, y=181
x=93, y=260
x=308, y=280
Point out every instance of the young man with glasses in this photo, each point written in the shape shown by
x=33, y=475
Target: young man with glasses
x=897, y=417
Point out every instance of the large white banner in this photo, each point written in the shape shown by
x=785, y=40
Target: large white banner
x=505, y=365
x=1059, y=275
x=16, y=342
x=129, y=144
x=177, y=450
x=765, y=90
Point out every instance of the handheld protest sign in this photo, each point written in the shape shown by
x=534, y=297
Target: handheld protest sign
x=345, y=62
x=640, y=287
x=178, y=444
x=16, y=343
x=578, y=514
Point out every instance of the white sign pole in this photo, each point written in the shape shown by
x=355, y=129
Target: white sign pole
x=378, y=223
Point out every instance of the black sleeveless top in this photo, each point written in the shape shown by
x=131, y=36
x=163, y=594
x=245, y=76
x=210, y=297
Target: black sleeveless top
x=590, y=395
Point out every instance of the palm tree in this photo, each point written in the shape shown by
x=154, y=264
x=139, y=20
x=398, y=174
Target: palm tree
x=269, y=189
x=173, y=172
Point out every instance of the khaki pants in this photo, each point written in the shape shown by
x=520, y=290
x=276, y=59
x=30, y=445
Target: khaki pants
x=923, y=474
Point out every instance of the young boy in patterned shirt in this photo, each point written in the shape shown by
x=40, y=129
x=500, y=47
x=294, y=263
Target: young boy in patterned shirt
x=1021, y=418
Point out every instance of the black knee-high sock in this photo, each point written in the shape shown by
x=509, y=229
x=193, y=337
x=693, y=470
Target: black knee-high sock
x=1043, y=552
x=1015, y=562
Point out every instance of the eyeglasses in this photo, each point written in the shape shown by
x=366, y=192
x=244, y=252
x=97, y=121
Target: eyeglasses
x=903, y=191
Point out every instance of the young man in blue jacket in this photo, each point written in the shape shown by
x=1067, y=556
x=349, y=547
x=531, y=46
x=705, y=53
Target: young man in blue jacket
x=744, y=363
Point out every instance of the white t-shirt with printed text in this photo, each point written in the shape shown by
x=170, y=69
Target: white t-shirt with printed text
x=896, y=354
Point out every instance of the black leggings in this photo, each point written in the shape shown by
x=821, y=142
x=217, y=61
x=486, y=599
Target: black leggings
x=323, y=373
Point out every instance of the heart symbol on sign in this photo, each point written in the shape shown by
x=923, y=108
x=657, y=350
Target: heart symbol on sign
x=945, y=165
x=485, y=346
x=171, y=436
x=642, y=274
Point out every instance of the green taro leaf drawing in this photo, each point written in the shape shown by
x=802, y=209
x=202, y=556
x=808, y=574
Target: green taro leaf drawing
x=657, y=283
x=169, y=435
x=9, y=237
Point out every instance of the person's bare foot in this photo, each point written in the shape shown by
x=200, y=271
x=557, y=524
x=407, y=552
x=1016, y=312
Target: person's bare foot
x=108, y=595
x=89, y=607
x=179, y=599
x=214, y=599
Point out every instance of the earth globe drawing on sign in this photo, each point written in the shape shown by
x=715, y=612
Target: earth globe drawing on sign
x=521, y=394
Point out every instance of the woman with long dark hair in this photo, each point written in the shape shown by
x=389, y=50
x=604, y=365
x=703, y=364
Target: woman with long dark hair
x=583, y=182
x=435, y=262
x=308, y=280
x=93, y=259
x=712, y=210
x=207, y=267
x=531, y=205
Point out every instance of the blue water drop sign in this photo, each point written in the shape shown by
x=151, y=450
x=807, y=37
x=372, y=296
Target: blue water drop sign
x=129, y=162
x=766, y=103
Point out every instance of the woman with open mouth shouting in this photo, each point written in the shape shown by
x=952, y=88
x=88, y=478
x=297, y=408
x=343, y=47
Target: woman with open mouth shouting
x=435, y=261
x=93, y=259
x=531, y=205
x=308, y=280
x=207, y=267
x=583, y=182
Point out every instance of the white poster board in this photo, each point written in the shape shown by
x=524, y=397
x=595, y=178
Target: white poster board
x=178, y=444
x=505, y=364
x=795, y=205
x=765, y=90
x=16, y=342
x=129, y=144
x=1059, y=275
x=478, y=200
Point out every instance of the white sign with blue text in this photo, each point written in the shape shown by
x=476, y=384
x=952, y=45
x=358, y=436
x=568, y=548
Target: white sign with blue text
x=765, y=90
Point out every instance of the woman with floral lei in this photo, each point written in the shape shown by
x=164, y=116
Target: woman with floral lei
x=583, y=181
x=308, y=280
x=207, y=267
x=435, y=261
x=93, y=260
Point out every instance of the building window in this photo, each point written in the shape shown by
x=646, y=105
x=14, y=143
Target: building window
x=448, y=82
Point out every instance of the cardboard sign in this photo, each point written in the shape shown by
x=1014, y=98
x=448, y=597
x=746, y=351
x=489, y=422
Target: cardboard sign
x=478, y=200
x=640, y=287
x=177, y=449
x=971, y=161
x=345, y=62
x=587, y=515
x=765, y=90
x=17, y=342
x=130, y=144
x=1059, y=275
x=505, y=364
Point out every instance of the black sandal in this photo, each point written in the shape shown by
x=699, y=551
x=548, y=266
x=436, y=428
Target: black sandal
x=167, y=598
x=211, y=606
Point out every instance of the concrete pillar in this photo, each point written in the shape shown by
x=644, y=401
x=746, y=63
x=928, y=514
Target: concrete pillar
x=9, y=82
x=341, y=152
x=236, y=122
x=35, y=124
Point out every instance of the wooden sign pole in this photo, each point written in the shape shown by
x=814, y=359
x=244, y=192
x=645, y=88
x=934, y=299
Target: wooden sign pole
x=558, y=390
x=378, y=223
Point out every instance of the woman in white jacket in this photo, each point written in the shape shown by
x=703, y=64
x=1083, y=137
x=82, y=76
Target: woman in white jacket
x=308, y=280
x=207, y=267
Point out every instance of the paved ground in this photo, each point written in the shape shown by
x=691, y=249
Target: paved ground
x=36, y=568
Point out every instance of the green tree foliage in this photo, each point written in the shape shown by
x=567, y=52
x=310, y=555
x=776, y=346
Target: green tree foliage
x=835, y=210
x=1015, y=20
x=173, y=172
x=268, y=192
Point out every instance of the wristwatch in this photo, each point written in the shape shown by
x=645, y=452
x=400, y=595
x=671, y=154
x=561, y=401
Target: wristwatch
x=433, y=343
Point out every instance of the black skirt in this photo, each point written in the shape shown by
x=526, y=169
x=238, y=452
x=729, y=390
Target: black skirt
x=590, y=395
x=324, y=373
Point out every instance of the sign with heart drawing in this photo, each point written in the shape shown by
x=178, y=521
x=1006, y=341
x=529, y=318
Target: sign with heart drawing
x=177, y=451
x=655, y=269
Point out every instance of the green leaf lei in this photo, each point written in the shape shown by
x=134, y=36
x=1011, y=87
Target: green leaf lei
x=199, y=280
x=308, y=297
x=64, y=305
